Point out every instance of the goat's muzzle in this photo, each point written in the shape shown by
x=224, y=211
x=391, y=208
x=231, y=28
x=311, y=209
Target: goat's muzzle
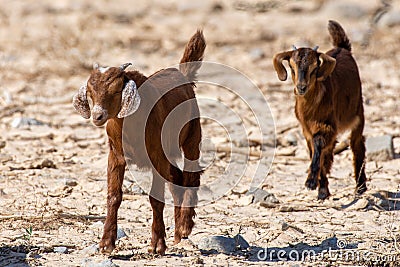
x=99, y=115
x=300, y=89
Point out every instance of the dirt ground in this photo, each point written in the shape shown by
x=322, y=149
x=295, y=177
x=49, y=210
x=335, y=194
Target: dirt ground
x=53, y=162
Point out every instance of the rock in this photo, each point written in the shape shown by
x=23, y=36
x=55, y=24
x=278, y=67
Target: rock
x=71, y=182
x=223, y=244
x=261, y=195
x=91, y=250
x=2, y=144
x=390, y=19
x=291, y=139
x=47, y=163
x=245, y=200
x=105, y=263
x=380, y=148
x=120, y=233
x=23, y=122
x=61, y=250
x=360, y=204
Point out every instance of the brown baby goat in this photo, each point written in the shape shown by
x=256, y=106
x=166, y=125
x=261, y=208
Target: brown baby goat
x=328, y=101
x=116, y=98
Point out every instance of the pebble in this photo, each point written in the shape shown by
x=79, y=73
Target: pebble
x=390, y=19
x=380, y=148
x=245, y=200
x=120, y=233
x=91, y=250
x=261, y=195
x=23, y=122
x=105, y=263
x=222, y=244
x=291, y=139
x=71, y=182
x=61, y=250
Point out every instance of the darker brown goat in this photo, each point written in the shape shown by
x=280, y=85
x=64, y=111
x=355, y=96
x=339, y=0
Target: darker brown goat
x=135, y=125
x=328, y=101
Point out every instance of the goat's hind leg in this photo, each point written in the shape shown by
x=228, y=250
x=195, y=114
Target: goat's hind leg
x=157, y=202
x=357, y=144
x=177, y=193
x=191, y=179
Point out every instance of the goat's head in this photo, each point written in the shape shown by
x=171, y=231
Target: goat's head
x=306, y=67
x=112, y=94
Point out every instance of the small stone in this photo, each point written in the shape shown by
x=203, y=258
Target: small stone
x=291, y=139
x=71, y=182
x=2, y=144
x=223, y=244
x=120, y=233
x=105, y=263
x=91, y=250
x=361, y=204
x=380, y=148
x=261, y=195
x=23, y=122
x=390, y=19
x=61, y=250
x=47, y=163
x=245, y=200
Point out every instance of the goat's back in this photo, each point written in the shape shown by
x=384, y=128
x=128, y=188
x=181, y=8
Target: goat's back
x=345, y=84
x=157, y=130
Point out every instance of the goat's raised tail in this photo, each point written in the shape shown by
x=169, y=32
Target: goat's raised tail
x=339, y=37
x=194, y=52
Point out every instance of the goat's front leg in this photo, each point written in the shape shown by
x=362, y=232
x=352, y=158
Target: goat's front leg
x=115, y=176
x=315, y=167
x=157, y=203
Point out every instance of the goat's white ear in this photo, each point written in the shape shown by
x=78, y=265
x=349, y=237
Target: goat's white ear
x=130, y=100
x=81, y=103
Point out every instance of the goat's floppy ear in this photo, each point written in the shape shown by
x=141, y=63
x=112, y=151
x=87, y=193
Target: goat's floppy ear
x=278, y=65
x=130, y=99
x=326, y=68
x=81, y=103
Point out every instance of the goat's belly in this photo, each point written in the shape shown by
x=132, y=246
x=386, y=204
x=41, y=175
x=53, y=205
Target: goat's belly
x=348, y=124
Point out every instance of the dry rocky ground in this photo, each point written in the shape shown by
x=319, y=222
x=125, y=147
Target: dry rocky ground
x=53, y=162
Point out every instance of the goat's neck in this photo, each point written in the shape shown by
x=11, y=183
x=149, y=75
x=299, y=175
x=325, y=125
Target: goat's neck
x=314, y=95
x=138, y=77
x=114, y=132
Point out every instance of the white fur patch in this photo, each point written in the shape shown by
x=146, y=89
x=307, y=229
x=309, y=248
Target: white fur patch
x=103, y=69
x=98, y=109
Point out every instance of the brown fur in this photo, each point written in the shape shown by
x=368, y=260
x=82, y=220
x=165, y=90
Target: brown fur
x=105, y=91
x=328, y=101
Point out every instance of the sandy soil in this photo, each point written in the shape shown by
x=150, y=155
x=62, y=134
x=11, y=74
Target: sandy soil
x=52, y=173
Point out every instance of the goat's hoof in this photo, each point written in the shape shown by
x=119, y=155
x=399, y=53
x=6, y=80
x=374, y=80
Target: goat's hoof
x=323, y=193
x=106, y=247
x=361, y=189
x=158, y=248
x=311, y=183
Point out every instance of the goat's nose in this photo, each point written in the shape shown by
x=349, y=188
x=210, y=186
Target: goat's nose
x=301, y=88
x=98, y=116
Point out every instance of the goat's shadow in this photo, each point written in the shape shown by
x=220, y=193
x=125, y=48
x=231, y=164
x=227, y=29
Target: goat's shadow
x=15, y=256
x=382, y=200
